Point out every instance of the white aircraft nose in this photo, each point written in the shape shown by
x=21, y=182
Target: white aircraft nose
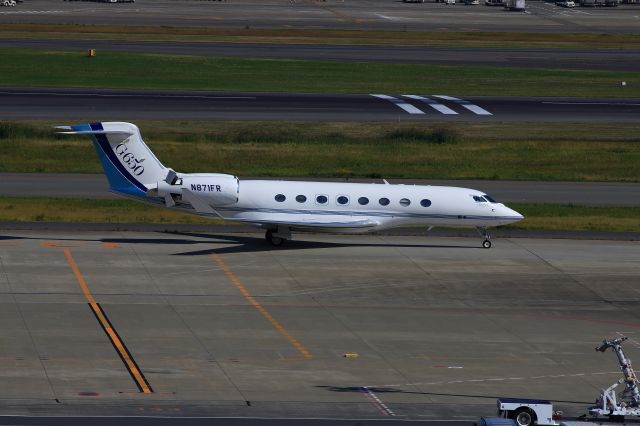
x=511, y=215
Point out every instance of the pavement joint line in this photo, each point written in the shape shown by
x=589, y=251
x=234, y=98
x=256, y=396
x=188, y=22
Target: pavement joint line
x=550, y=376
x=259, y=307
x=108, y=328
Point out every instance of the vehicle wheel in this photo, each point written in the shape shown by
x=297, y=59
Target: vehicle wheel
x=486, y=244
x=523, y=417
x=273, y=240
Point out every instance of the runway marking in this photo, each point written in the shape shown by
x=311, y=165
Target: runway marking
x=465, y=104
x=112, y=334
x=433, y=104
x=381, y=406
x=400, y=103
x=259, y=307
x=62, y=245
x=590, y=103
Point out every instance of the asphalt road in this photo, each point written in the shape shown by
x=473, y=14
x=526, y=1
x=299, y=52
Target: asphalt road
x=565, y=58
x=126, y=105
x=579, y=193
x=333, y=14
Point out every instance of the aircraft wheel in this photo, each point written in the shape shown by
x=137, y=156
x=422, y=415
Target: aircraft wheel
x=273, y=240
x=486, y=244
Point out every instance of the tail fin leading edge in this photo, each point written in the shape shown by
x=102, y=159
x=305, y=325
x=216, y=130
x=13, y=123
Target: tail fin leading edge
x=128, y=163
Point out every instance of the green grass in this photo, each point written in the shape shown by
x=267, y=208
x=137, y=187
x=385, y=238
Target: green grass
x=577, y=218
x=23, y=67
x=320, y=36
x=483, y=150
x=538, y=216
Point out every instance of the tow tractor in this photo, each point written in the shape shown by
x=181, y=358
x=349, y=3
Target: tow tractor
x=526, y=412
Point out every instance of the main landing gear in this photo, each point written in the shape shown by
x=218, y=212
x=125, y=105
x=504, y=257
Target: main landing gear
x=486, y=238
x=277, y=237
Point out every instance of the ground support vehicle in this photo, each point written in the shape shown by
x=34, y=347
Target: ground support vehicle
x=526, y=412
x=627, y=403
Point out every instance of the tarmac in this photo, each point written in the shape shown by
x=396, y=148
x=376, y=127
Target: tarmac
x=359, y=327
x=331, y=14
x=82, y=105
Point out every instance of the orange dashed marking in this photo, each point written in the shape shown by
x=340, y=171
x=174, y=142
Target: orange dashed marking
x=62, y=245
x=259, y=307
x=111, y=245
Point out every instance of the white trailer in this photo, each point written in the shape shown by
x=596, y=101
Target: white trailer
x=526, y=412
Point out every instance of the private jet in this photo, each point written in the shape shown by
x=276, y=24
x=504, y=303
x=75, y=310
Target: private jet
x=280, y=207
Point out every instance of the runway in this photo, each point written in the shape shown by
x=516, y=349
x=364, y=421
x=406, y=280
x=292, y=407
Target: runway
x=355, y=327
x=331, y=14
x=564, y=58
x=579, y=193
x=126, y=105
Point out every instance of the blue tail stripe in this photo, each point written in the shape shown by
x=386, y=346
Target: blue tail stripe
x=117, y=181
x=102, y=142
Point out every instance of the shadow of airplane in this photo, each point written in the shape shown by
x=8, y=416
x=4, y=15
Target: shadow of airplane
x=249, y=244
x=383, y=389
x=235, y=243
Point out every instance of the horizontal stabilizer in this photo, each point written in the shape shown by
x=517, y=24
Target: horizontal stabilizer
x=118, y=134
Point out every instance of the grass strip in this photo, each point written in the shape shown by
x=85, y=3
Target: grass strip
x=23, y=67
x=537, y=216
x=483, y=150
x=320, y=36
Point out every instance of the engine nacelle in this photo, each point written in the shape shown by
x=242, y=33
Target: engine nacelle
x=213, y=188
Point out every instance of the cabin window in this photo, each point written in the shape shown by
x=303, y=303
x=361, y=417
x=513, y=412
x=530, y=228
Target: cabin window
x=384, y=201
x=363, y=201
x=479, y=199
x=491, y=199
x=301, y=198
x=425, y=203
x=280, y=198
x=321, y=199
x=343, y=200
x=405, y=202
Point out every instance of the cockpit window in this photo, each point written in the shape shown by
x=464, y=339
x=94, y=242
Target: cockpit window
x=479, y=199
x=491, y=199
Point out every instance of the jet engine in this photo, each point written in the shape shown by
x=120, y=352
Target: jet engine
x=213, y=189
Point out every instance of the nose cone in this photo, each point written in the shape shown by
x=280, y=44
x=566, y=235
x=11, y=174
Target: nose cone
x=508, y=215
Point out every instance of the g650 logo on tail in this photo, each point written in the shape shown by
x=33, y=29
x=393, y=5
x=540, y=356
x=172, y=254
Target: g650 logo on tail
x=129, y=159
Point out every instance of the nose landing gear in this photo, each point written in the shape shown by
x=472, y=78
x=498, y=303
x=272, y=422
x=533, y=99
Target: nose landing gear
x=486, y=242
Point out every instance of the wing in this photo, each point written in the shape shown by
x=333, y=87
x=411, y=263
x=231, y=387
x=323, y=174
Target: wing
x=325, y=223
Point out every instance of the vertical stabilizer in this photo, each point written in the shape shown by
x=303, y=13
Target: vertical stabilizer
x=129, y=164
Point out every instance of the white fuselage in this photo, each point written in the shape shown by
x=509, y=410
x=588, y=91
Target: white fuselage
x=338, y=204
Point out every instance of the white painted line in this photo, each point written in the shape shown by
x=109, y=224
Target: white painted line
x=591, y=103
x=466, y=104
x=433, y=104
x=381, y=405
x=399, y=102
x=391, y=18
